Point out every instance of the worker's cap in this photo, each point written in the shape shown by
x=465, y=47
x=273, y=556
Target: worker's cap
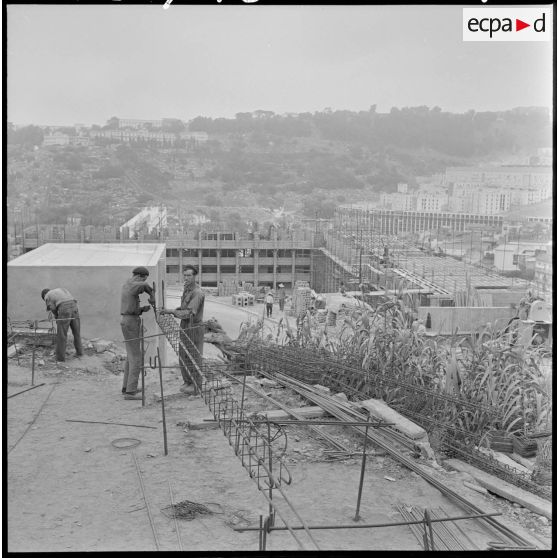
x=141, y=271
x=281, y=285
x=191, y=268
x=44, y=292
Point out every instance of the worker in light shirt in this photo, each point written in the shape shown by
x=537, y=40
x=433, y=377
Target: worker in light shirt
x=64, y=308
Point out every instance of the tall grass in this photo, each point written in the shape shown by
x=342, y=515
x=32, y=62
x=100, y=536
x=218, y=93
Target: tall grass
x=483, y=382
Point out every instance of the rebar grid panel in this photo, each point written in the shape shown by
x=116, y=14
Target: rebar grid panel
x=428, y=405
x=251, y=442
x=498, y=469
x=320, y=367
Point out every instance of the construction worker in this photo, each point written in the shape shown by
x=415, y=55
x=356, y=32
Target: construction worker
x=130, y=312
x=281, y=295
x=269, y=300
x=64, y=308
x=192, y=328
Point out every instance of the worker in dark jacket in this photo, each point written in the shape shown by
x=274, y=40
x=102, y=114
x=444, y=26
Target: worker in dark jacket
x=64, y=308
x=130, y=312
x=192, y=328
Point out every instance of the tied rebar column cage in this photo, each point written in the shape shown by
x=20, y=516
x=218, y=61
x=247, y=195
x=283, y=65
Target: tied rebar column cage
x=253, y=443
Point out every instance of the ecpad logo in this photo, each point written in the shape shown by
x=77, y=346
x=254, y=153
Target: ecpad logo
x=507, y=24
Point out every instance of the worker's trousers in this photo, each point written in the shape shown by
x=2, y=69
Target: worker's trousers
x=67, y=317
x=191, y=340
x=131, y=331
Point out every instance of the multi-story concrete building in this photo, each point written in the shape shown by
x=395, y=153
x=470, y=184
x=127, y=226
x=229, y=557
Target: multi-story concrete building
x=496, y=189
x=137, y=124
x=221, y=257
x=386, y=221
x=126, y=135
x=431, y=200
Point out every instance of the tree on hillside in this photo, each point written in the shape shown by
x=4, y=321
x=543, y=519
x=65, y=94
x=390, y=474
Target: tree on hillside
x=28, y=136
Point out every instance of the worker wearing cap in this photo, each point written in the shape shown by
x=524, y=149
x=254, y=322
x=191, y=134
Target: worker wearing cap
x=130, y=312
x=64, y=308
x=192, y=327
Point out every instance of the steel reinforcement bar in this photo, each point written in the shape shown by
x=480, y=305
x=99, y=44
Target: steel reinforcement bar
x=252, y=442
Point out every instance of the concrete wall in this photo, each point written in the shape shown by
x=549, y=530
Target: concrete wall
x=97, y=290
x=466, y=319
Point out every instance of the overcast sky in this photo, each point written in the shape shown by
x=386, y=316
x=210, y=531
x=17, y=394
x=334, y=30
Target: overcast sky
x=85, y=64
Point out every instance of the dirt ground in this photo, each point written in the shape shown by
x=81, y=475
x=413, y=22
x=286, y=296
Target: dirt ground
x=70, y=489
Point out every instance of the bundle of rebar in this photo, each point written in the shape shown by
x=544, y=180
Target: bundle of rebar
x=447, y=535
x=344, y=412
x=427, y=405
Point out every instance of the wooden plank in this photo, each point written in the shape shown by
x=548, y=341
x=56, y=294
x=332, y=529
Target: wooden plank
x=303, y=412
x=504, y=489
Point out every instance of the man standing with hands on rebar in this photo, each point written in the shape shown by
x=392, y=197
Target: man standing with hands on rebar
x=192, y=327
x=130, y=312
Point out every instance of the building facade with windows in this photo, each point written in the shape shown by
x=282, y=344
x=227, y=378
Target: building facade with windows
x=387, y=221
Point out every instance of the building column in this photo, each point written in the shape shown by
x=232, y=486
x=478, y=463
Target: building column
x=180, y=263
x=218, y=255
x=256, y=257
x=200, y=251
x=293, y=268
x=274, y=268
x=236, y=267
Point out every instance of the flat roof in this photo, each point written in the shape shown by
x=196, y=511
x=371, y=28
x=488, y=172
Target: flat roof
x=92, y=255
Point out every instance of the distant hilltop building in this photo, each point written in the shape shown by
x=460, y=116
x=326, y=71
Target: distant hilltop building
x=58, y=138
x=131, y=135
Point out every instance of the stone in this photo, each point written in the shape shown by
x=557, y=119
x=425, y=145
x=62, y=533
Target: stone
x=321, y=388
x=267, y=382
x=102, y=345
x=340, y=397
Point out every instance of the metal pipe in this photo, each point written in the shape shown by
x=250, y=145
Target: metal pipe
x=142, y=370
x=370, y=525
x=176, y=528
x=146, y=501
x=363, y=466
x=428, y=523
x=104, y=422
x=33, y=354
x=304, y=422
x=162, y=404
x=24, y=390
x=33, y=420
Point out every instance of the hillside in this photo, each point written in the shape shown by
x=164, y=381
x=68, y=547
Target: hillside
x=304, y=163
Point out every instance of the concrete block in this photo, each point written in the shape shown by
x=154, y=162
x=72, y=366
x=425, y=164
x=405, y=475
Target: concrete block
x=380, y=409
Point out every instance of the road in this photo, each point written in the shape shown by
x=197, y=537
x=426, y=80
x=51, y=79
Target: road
x=231, y=317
